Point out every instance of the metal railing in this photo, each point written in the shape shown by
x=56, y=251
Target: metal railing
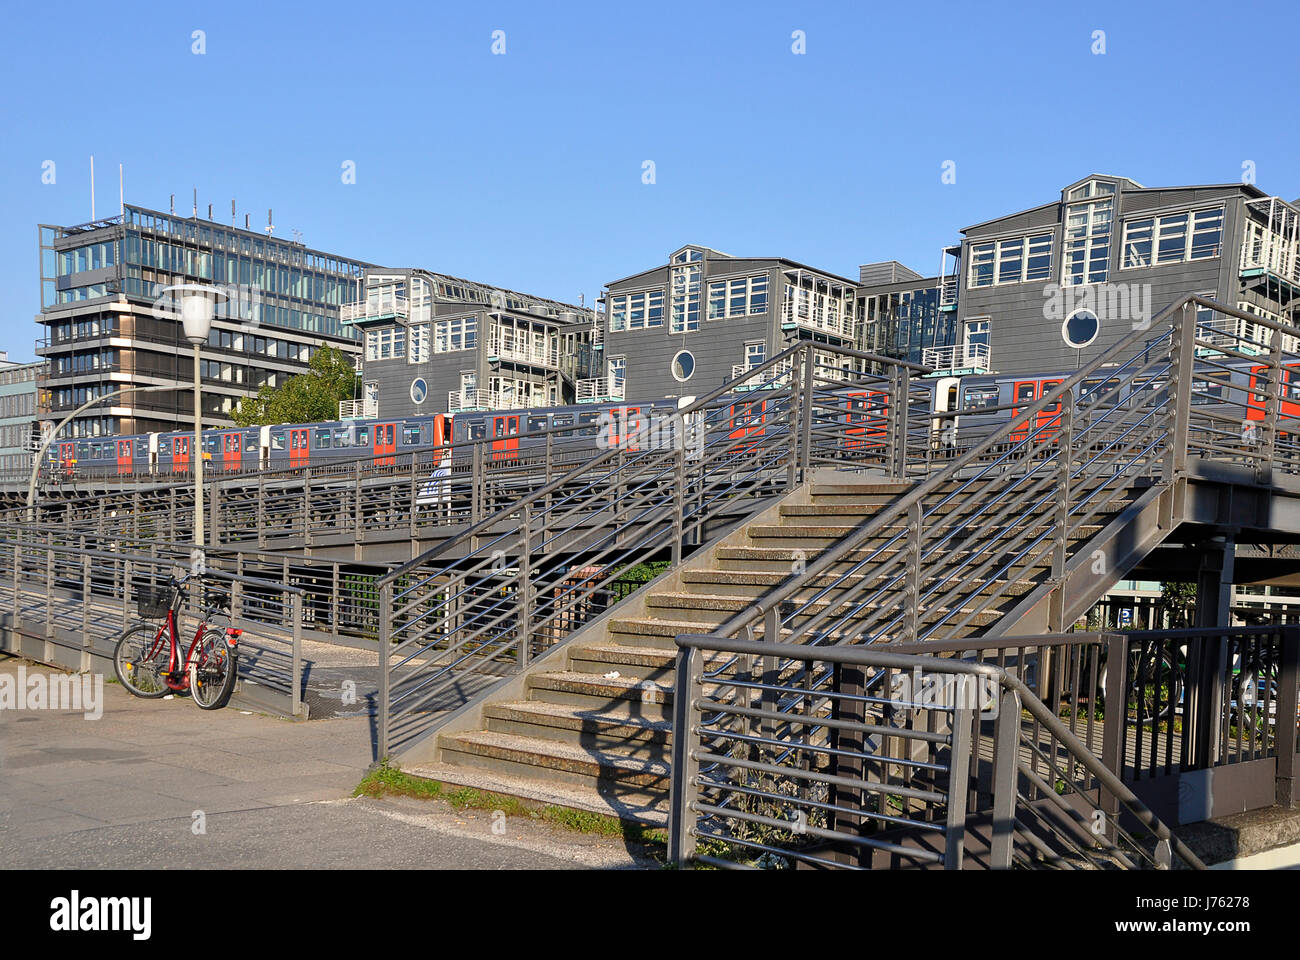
x=883, y=767
x=516, y=583
x=68, y=603
x=601, y=389
x=966, y=356
x=358, y=409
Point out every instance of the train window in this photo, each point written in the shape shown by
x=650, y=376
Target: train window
x=1211, y=389
x=477, y=429
x=537, y=423
x=411, y=435
x=587, y=423
x=977, y=398
x=83, y=451
x=561, y=420
x=363, y=436
x=164, y=446
x=342, y=436
x=277, y=440
x=210, y=445
x=322, y=439
x=1106, y=391
x=142, y=448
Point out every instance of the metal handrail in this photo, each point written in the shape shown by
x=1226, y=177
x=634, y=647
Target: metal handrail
x=684, y=766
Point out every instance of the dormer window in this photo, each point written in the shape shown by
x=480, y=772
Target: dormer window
x=687, y=255
x=1093, y=188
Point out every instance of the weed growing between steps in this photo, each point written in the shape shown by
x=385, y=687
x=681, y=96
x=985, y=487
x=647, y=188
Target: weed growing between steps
x=389, y=781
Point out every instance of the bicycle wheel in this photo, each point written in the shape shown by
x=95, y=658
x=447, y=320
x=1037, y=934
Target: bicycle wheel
x=213, y=670
x=140, y=659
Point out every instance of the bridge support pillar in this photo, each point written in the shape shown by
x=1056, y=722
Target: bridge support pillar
x=1207, y=666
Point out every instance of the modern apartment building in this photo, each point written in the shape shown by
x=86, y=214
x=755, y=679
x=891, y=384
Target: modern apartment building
x=105, y=326
x=433, y=343
x=19, y=430
x=1050, y=287
x=705, y=318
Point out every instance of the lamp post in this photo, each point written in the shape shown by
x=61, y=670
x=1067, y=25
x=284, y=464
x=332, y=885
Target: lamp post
x=196, y=317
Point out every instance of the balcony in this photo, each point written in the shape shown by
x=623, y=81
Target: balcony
x=477, y=398
x=375, y=307
x=358, y=409
x=602, y=389
x=948, y=293
x=525, y=352
x=1241, y=336
x=968, y=357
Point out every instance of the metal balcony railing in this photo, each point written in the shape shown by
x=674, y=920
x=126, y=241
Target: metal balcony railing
x=358, y=409
x=976, y=357
x=601, y=389
x=374, y=307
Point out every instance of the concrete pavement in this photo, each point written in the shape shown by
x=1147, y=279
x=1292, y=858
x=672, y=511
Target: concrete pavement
x=163, y=784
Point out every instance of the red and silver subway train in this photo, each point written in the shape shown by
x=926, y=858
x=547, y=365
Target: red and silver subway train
x=862, y=424
x=291, y=445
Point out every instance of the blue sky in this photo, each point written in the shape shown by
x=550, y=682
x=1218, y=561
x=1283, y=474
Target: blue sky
x=525, y=169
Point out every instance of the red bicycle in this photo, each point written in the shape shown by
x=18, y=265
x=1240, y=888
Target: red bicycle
x=147, y=658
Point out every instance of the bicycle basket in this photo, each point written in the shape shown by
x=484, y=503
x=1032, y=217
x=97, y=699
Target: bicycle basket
x=153, y=602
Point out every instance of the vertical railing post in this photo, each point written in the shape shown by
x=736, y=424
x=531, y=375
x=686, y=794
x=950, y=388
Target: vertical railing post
x=1272, y=405
x=85, y=607
x=683, y=790
x=1288, y=690
x=525, y=588
x=959, y=761
x=356, y=499
x=912, y=590
x=1182, y=365
x=18, y=567
x=794, y=419
x=1114, y=720
x=902, y=398
x=1065, y=452
x=679, y=502
x=306, y=509
x=809, y=400
x=261, y=510
x=49, y=593
x=385, y=639
x=296, y=696
x=477, y=482
x=1006, y=757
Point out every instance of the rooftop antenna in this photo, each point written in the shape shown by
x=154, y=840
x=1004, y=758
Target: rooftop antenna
x=209, y=211
x=270, y=227
x=92, y=186
x=121, y=196
x=196, y=203
x=232, y=211
x=246, y=221
x=173, y=203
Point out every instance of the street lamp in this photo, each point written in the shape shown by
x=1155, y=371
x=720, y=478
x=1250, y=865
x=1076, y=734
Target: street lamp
x=197, y=307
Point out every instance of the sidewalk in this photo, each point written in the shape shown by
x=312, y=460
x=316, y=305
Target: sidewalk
x=132, y=788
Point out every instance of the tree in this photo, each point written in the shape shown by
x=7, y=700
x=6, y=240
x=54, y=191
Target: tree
x=1177, y=601
x=309, y=397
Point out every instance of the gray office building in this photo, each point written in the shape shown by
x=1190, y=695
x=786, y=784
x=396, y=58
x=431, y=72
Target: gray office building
x=110, y=322
x=1051, y=287
x=705, y=318
x=434, y=343
x=19, y=430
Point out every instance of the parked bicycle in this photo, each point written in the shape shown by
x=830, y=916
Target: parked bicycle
x=148, y=661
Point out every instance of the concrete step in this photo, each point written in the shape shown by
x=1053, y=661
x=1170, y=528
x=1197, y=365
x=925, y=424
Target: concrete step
x=616, y=729
x=651, y=811
x=557, y=762
x=645, y=698
x=641, y=663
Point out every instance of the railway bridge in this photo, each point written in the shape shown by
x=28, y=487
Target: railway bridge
x=806, y=628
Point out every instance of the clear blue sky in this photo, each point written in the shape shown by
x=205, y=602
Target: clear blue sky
x=525, y=170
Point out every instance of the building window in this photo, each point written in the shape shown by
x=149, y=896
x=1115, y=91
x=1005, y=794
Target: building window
x=617, y=370
x=456, y=333
x=419, y=347
x=1016, y=260
x=419, y=391
x=1080, y=328
x=636, y=311
x=1086, y=257
x=686, y=299
x=688, y=256
x=380, y=344
x=1173, y=238
x=683, y=367
x=737, y=297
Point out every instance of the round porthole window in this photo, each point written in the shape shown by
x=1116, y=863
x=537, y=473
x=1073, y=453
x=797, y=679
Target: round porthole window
x=419, y=391
x=683, y=366
x=1080, y=328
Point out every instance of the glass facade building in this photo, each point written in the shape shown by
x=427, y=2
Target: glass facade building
x=102, y=283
